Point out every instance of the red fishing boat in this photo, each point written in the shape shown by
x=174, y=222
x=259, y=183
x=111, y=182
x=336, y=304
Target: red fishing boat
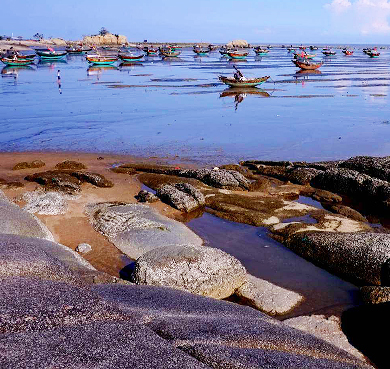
x=306, y=65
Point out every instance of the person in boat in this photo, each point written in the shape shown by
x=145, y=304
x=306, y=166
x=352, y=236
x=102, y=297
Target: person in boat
x=238, y=76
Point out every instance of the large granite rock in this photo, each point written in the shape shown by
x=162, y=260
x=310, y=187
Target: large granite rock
x=136, y=229
x=47, y=203
x=107, y=39
x=225, y=335
x=326, y=328
x=14, y=220
x=182, y=196
x=267, y=297
x=33, y=257
x=378, y=167
x=361, y=257
x=197, y=269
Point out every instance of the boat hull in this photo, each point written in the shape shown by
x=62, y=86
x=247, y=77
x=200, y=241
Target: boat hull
x=16, y=63
x=309, y=66
x=243, y=84
x=237, y=56
x=129, y=58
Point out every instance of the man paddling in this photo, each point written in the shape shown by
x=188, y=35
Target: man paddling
x=238, y=76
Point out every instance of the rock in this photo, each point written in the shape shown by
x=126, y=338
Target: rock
x=10, y=185
x=107, y=39
x=372, y=166
x=14, y=220
x=326, y=328
x=46, y=203
x=83, y=248
x=28, y=165
x=375, y=294
x=346, y=211
x=181, y=196
x=225, y=335
x=363, y=257
x=56, y=181
x=267, y=297
x=303, y=175
x=326, y=196
x=136, y=229
x=96, y=179
x=197, y=269
x=33, y=257
x=279, y=172
x=260, y=184
x=70, y=165
x=237, y=43
x=146, y=196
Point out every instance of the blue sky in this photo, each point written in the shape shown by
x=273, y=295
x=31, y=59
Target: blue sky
x=273, y=21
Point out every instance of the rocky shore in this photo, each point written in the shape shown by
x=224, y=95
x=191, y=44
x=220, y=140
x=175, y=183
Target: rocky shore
x=140, y=275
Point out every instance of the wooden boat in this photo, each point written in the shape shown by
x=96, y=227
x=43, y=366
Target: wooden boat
x=101, y=60
x=306, y=65
x=328, y=52
x=231, y=81
x=25, y=57
x=16, y=62
x=150, y=51
x=50, y=54
x=312, y=48
x=74, y=50
x=237, y=55
x=373, y=54
x=304, y=56
x=170, y=52
x=261, y=52
x=201, y=50
x=347, y=52
x=130, y=58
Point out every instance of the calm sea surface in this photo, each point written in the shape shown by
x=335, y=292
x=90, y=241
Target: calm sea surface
x=178, y=107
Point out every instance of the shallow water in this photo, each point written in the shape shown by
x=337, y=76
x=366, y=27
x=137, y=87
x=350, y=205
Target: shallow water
x=265, y=258
x=178, y=107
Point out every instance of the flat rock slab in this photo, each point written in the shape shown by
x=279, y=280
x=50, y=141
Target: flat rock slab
x=14, y=220
x=267, y=297
x=225, y=335
x=357, y=256
x=136, y=229
x=197, y=269
x=34, y=257
x=108, y=345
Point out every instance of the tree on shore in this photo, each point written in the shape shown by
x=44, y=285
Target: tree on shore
x=103, y=31
x=38, y=36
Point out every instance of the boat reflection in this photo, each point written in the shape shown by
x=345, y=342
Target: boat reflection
x=130, y=64
x=235, y=61
x=97, y=71
x=171, y=59
x=240, y=93
x=50, y=63
x=12, y=70
x=306, y=74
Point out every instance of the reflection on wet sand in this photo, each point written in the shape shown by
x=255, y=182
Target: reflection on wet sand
x=240, y=93
x=98, y=70
x=12, y=70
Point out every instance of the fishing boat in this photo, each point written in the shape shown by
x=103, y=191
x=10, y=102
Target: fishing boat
x=50, y=54
x=75, y=50
x=25, y=57
x=373, y=53
x=16, y=62
x=233, y=82
x=224, y=51
x=150, y=50
x=306, y=65
x=200, y=50
x=101, y=60
x=313, y=48
x=328, y=52
x=304, y=55
x=260, y=51
x=347, y=52
x=237, y=54
x=130, y=57
x=170, y=51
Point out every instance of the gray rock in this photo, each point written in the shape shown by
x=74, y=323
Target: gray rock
x=146, y=196
x=96, y=179
x=83, y=248
x=356, y=256
x=136, y=229
x=108, y=345
x=14, y=220
x=267, y=297
x=56, y=180
x=46, y=203
x=375, y=294
x=200, y=270
x=182, y=196
x=303, y=175
x=326, y=328
x=33, y=257
x=378, y=167
x=225, y=335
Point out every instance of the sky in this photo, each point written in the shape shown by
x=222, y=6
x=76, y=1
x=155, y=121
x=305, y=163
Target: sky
x=214, y=21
